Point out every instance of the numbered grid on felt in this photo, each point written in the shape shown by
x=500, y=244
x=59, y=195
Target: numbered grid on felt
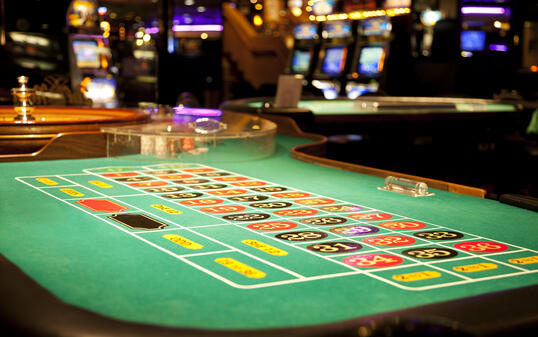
x=273, y=250
x=379, y=223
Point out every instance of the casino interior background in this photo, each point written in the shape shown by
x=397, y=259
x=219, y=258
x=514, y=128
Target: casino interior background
x=159, y=53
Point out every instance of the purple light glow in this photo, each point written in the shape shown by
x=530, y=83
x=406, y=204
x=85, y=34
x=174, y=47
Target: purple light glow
x=87, y=36
x=197, y=28
x=483, y=10
x=197, y=111
x=152, y=30
x=498, y=47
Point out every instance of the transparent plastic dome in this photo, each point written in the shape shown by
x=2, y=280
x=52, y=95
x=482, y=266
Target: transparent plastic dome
x=225, y=137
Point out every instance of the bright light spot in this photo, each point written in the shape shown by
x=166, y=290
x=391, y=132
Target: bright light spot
x=534, y=68
x=139, y=42
x=466, y=53
x=330, y=93
x=482, y=10
x=296, y=11
x=200, y=9
x=203, y=36
x=497, y=24
x=144, y=54
x=102, y=10
x=147, y=37
x=30, y=39
x=257, y=20
x=100, y=91
x=189, y=2
x=139, y=35
x=498, y=47
x=429, y=18
x=258, y=7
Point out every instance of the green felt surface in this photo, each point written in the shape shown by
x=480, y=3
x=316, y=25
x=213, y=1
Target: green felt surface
x=348, y=107
x=89, y=261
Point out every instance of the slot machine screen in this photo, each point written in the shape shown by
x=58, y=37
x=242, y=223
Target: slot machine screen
x=375, y=26
x=337, y=29
x=301, y=61
x=305, y=31
x=473, y=40
x=86, y=54
x=334, y=61
x=371, y=60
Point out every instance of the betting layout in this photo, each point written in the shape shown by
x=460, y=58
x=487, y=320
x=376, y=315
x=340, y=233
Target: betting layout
x=252, y=233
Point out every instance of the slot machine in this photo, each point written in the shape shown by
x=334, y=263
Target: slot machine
x=485, y=28
x=488, y=52
x=89, y=63
x=370, y=52
x=303, y=55
x=329, y=73
x=89, y=55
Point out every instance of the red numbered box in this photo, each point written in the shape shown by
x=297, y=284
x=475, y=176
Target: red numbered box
x=176, y=176
x=291, y=195
x=201, y=202
x=390, y=241
x=314, y=201
x=296, y=212
x=227, y=192
x=402, y=225
x=249, y=183
x=272, y=226
x=373, y=260
x=119, y=174
x=481, y=246
x=223, y=209
x=231, y=179
x=198, y=170
x=149, y=184
x=370, y=216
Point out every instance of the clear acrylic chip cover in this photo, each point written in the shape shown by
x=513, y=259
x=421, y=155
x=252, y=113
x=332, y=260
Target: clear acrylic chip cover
x=201, y=138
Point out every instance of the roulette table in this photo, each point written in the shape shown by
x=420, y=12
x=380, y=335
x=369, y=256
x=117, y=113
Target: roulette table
x=390, y=114
x=24, y=138
x=466, y=140
x=288, y=244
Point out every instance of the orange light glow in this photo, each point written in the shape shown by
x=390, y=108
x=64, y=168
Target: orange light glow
x=104, y=61
x=381, y=62
x=257, y=20
x=534, y=68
